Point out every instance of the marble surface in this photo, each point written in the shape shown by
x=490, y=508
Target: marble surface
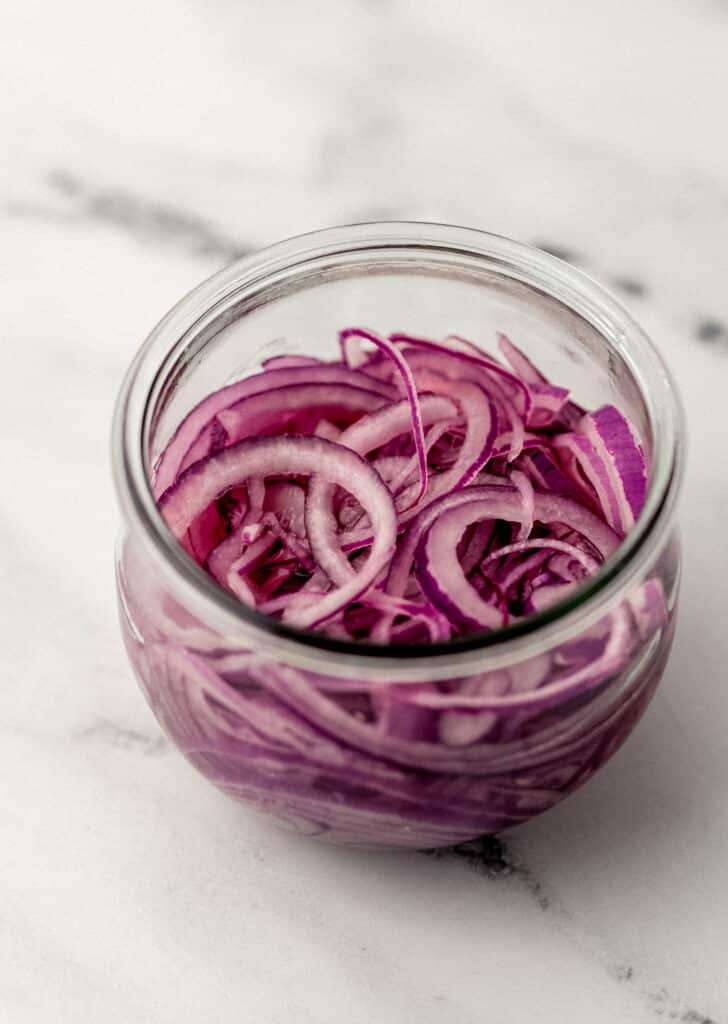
x=144, y=146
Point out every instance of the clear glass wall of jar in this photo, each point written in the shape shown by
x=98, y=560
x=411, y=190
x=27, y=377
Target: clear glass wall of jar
x=356, y=743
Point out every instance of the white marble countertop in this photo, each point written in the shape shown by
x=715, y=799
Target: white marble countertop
x=144, y=146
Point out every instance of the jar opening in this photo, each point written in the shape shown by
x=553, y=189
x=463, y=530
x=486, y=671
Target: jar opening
x=289, y=269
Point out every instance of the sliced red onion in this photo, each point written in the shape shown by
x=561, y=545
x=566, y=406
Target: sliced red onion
x=590, y=564
x=520, y=362
x=548, y=405
x=477, y=445
x=202, y=416
x=484, y=494
x=365, y=435
x=525, y=489
x=207, y=480
x=541, y=465
x=232, y=560
x=616, y=444
x=289, y=362
x=441, y=574
x=356, y=334
x=256, y=492
x=487, y=366
x=326, y=429
x=463, y=728
x=551, y=404
x=287, y=502
x=293, y=408
x=431, y=367
x=649, y=608
x=294, y=690
x=477, y=546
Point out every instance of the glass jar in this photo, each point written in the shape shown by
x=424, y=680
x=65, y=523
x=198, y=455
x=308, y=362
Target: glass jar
x=354, y=742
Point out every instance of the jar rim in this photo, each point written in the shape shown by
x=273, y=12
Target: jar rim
x=315, y=650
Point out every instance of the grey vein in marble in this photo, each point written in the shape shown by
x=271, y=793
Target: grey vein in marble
x=557, y=249
x=491, y=857
x=630, y=286
x=148, y=219
x=122, y=737
x=711, y=330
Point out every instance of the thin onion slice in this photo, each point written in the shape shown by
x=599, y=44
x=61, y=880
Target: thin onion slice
x=206, y=481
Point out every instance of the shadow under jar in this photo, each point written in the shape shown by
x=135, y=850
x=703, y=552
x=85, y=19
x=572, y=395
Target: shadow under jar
x=353, y=742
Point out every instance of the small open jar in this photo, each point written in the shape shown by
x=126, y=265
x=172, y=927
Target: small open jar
x=351, y=741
